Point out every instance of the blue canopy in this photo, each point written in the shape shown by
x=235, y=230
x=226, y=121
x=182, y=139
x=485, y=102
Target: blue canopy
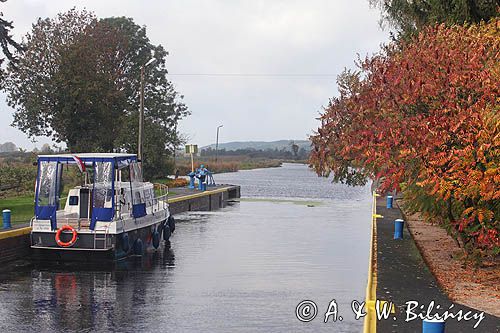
x=49, y=177
x=121, y=158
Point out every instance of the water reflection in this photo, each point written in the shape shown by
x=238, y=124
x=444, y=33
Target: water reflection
x=240, y=269
x=81, y=297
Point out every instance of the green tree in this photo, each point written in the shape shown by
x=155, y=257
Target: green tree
x=163, y=106
x=78, y=81
x=33, y=85
x=6, y=40
x=408, y=16
x=90, y=96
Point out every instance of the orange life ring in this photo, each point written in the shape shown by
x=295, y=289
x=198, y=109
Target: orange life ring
x=73, y=239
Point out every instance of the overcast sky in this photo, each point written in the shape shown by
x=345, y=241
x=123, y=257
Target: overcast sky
x=270, y=40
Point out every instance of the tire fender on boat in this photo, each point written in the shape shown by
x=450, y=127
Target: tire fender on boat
x=125, y=242
x=156, y=239
x=166, y=232
x=138, y=246
x=171, y=223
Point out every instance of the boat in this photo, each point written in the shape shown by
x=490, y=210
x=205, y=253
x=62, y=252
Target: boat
x=110, y=215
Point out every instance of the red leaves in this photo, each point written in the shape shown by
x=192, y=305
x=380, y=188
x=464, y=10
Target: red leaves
x=427, y=114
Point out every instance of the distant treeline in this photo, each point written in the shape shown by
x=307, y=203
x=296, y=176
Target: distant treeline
x=7, y=147
x=287, y=154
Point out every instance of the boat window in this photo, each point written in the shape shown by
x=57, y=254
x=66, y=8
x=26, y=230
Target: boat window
x=147, y=197
x=125, y=175
x=136, y=174
x=126, y=195
x=138, y=197
x=103, y=182
x=73, y=200
x=109, y=195
x=47, y=190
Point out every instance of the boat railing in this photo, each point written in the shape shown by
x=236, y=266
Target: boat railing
x=161, y=188
x=161, y=201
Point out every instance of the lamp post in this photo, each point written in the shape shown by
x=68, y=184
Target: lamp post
x=217, y=143
x=141, y=110
x=175, y=141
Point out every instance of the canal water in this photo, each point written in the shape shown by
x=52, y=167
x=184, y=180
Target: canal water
x=245, y=268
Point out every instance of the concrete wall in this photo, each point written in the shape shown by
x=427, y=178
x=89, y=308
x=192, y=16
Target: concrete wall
x=15, y=247
x=205, y=203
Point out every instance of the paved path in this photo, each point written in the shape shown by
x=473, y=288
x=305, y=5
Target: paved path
x=181, y=192
x=403, y=276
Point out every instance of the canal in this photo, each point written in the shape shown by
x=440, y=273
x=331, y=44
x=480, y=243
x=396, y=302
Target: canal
x=245, y=268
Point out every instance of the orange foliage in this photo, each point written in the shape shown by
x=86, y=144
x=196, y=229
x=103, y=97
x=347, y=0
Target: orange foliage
x=426, y=113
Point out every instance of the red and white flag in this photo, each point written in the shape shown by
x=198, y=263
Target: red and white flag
x=79, y=163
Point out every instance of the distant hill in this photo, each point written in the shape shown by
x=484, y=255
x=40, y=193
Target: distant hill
x=262, y=145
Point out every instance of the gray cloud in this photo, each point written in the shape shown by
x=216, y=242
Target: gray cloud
x=257, y=37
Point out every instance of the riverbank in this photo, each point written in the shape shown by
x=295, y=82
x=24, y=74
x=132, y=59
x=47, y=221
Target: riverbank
x=477, y=287
x=227, y=164
x=402, y=277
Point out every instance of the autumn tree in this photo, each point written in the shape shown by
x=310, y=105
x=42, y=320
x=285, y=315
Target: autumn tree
x=423, y=117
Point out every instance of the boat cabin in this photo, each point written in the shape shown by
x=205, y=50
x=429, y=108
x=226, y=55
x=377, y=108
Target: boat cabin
x=111, y=189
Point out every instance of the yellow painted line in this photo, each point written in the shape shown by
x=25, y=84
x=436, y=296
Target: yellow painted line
x=370, y=321
x=198, y=195
x=15, y=232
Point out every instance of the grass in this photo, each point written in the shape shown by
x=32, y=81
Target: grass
x=22, y=208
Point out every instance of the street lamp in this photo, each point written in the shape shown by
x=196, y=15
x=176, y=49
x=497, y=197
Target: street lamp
x=217, y=143
x=141, y=109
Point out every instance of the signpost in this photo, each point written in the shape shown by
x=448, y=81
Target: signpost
x=191, y=150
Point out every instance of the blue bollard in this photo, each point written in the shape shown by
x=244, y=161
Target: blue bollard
x=191, y=179
x=433, y=326
x=389, y=201
x=202, y=175
x=398, y=229
x=6, y=218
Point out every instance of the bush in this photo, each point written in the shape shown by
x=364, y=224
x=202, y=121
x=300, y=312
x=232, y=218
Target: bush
x=423, y=116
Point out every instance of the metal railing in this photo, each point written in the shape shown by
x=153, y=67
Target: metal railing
x=162, y=199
